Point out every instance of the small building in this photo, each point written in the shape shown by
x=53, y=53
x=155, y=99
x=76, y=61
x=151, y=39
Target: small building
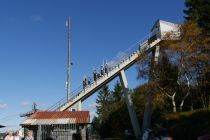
x=161, y=28
x=66, y=125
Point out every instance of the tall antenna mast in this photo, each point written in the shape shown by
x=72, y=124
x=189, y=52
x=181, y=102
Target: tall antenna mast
x=68, y=69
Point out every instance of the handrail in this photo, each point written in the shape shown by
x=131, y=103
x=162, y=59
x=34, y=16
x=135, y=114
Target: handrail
x=111, y=65
x=54, y=106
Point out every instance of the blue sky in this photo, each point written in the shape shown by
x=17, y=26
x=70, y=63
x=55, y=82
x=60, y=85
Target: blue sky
x=33, y=45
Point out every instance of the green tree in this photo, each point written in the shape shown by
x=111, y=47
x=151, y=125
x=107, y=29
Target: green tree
x=198, y=11
x=103, y=101
x=104, y=109
x=95, y=126
x=113, y=117
x=117, y=93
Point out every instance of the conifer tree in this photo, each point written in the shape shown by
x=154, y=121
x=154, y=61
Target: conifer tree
x=198, y=11
x=117, y=93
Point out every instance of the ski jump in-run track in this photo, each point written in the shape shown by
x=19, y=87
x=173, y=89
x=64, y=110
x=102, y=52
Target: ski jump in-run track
x=117, y=67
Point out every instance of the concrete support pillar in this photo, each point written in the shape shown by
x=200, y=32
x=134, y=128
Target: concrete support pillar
x=149, y=99
x=79, y=106
x=157, y=53
x=129, y=104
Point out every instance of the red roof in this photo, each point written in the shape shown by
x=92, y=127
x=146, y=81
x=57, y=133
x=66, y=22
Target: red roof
x=78, y=116
x=60, y=114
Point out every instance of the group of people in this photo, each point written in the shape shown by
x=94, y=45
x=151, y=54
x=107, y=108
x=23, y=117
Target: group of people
x=16, y=136
x=86, y=81
x=102, y=72
x=96, y=75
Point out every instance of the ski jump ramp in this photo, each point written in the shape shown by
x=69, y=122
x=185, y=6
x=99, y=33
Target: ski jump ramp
x=115, y=66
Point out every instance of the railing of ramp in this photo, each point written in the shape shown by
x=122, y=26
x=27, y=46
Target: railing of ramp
x=115, y=62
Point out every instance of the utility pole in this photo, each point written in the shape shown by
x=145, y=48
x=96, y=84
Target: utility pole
x=68, y=69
